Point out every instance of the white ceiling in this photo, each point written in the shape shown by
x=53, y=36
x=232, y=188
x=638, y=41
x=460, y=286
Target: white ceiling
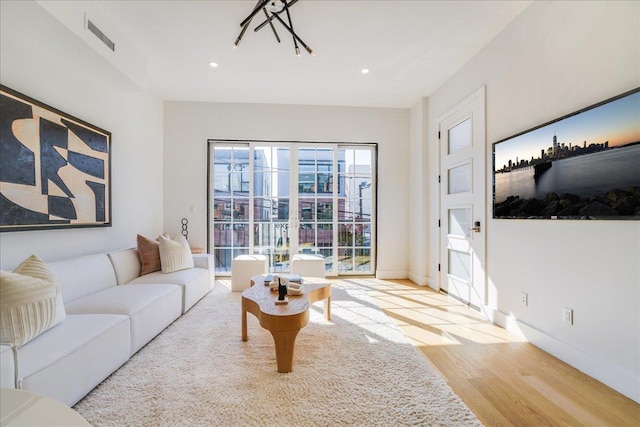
x=411, y=48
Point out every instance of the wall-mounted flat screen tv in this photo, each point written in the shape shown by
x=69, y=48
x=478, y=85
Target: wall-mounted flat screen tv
x=585, y=165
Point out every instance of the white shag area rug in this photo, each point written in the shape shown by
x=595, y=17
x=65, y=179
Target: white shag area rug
x=356, y=370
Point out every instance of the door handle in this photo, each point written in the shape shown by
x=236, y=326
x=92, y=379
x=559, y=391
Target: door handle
x=476, y=227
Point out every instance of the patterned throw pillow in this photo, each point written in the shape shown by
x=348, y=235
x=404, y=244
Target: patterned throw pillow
x=175, y=254
x=30, y=302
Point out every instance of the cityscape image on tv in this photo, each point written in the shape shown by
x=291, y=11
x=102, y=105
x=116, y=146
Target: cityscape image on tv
x=583, y=166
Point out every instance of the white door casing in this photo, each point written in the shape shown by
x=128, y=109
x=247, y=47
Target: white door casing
x=463, y=201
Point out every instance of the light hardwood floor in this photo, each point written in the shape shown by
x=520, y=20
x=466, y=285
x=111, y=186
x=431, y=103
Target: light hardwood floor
x=505, y=380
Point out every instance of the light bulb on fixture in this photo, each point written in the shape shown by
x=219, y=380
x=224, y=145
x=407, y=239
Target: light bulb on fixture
x=275, y=6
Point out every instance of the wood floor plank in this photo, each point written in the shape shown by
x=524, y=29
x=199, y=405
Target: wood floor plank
x=585, y=416
x=501, y=393
x=505, y=380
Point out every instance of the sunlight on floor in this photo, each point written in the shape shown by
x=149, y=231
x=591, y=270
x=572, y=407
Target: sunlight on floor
x=430, y=318
x=426, y=317
x=360, y=310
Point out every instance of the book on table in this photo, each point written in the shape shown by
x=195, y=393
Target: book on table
x=293, y=278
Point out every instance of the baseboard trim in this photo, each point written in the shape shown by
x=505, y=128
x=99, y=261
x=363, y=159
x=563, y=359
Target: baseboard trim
x=424, y=281
x=392, y=274
x=433, y=284
x=419, y=280
x=618, y=379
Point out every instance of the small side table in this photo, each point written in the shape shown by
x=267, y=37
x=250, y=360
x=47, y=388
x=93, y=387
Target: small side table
x=243, y=267
x=197, y=250
x=22, y=408
x=307, y=265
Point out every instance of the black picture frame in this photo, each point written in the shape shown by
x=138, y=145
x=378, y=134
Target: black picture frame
x=584, y=165
x=55, y=169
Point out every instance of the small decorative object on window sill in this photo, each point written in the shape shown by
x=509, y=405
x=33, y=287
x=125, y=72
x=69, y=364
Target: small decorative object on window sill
x=185, y=227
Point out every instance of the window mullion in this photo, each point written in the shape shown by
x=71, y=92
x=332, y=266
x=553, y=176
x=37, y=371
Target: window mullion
x=251, y=199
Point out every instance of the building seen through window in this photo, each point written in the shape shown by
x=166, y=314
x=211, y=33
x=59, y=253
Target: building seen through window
x=278, y=200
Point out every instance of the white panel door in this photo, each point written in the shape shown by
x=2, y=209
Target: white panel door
x=462, y=201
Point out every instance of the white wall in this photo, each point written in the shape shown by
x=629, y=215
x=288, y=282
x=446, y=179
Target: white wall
x=188, y=125
x=555, y=58
x=418, y=196
x=43, y=59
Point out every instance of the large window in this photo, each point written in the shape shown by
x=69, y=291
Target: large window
x=279, y=199
x=230, y=203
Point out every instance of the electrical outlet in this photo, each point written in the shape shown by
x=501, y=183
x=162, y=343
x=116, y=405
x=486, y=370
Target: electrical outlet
x=524, y=297
x=567, y=315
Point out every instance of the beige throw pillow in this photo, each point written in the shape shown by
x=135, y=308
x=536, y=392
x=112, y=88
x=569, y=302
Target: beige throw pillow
x=30, y=302
x=175, y=254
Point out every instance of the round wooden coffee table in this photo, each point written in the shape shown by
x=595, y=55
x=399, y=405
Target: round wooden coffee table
x=284, y=321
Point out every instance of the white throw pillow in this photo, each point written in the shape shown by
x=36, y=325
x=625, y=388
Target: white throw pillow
x=175, y=254
x=30, y=302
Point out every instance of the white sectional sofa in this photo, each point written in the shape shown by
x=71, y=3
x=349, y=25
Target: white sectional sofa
x=112, y=312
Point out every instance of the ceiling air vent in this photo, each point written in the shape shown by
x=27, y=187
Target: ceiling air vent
x=102, y=36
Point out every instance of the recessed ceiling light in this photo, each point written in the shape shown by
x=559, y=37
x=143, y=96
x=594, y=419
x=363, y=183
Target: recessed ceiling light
x=365, y=71
x=213, y=64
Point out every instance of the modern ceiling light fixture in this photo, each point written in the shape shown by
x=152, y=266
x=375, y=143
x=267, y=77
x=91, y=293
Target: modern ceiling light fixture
x=272, y=10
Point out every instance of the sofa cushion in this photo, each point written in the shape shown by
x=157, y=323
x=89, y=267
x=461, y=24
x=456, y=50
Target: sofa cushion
x=175, y=254
x=7, y=369
x=30, y=302
x=195, y=281
x=151, y=308
x=126, y=264
x=83, y=276
x=149, y=253
x=67, y=361
x=181, y=277
x=125, y=299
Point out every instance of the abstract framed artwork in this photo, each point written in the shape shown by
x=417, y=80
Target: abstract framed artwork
x=55, y=169
x=585, y=165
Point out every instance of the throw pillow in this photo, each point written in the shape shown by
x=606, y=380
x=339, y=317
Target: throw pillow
x=175, y=254
x=30, y=302
x=35, y=267
x=149, y=254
